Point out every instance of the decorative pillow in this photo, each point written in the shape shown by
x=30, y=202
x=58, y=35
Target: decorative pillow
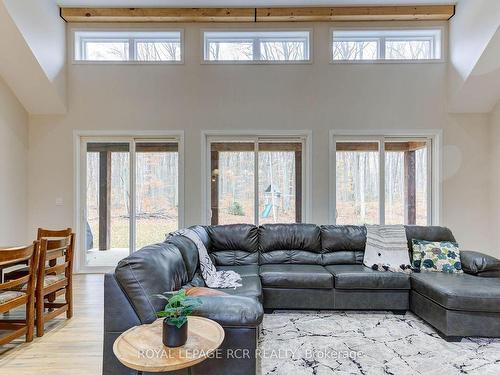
x=437, y=256
x=417, y=254
x=199, y=291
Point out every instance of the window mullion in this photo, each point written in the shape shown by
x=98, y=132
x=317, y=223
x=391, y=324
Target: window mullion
x=131, y=50
x=382, y=51
x=132, y=197
x=382, y=180
x=256, y=49
x=256, y=181
x=430, y=179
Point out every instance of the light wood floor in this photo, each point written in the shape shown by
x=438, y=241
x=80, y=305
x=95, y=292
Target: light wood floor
x=71, y=346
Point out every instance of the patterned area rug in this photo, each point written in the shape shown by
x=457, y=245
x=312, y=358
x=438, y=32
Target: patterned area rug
x=371, y=343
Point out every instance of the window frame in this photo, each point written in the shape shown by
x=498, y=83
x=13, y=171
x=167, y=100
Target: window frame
x=80, y=140
x=434, y=157
x=209, y=137
x=256, y=46
x=377, y=33
x=77, y=44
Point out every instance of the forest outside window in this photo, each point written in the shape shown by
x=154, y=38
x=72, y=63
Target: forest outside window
x=128, y=46
x=130, y=194
x=256, y=46
x=257, y=181
x=395, y=45
x=383, y=181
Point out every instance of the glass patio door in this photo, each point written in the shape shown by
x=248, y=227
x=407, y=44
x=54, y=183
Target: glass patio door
x=129, y=197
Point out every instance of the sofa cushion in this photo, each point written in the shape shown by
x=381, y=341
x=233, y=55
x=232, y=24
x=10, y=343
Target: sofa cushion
x=343, y=244
x=461, y=292
x=289, y=237
x=357, y=276
x=234, y=244
x=245, y=270
x=289, y=243
x=296, y=276
x=250, y=280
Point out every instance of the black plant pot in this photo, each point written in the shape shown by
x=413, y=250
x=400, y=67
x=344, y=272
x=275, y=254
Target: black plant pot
x=173, y=336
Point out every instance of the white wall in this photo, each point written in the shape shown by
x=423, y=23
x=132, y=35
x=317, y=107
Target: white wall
x=318, y=96
x=13, y=169
x=474, y=65
x=495, y=178
x=44, y=32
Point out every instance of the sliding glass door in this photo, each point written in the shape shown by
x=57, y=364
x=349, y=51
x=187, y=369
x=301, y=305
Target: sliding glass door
x=256, y=180
x=383, y=180
x=129, y=196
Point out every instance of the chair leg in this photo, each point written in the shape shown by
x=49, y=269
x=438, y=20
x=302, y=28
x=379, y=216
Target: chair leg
x=69, y=298
x=39, y=315
x=30, y=318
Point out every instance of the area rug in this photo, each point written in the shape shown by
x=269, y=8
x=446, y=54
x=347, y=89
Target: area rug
x=371, y=343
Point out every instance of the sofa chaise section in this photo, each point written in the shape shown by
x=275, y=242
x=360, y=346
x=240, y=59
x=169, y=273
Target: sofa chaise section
x=458, y=304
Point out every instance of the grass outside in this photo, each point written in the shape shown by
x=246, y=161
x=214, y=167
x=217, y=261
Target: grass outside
x=149, y=231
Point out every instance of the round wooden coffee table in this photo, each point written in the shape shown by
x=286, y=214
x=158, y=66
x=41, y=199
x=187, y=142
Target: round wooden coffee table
x=141, y=348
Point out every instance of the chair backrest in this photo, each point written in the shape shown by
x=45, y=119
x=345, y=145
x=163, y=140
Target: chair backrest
x=48, y=233
x=52, y=250
x=18, y=255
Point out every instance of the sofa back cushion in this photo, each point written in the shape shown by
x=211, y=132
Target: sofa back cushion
x=290, y=243
x=233, y=245
x=427, y=233
x=154, y=269
x=343, y=244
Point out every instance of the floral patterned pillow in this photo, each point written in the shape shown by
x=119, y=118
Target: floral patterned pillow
x=417, y=254
x=436, y=256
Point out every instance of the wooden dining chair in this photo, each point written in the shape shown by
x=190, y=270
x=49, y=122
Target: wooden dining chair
x=58, y=233
x=54, y=278
x=19, y=291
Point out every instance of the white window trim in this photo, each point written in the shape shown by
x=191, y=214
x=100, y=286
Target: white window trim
x=210, y=136
x=381, y=51
x=75, y=61
x=434, y=207
x=257, y=62
x=79, y=174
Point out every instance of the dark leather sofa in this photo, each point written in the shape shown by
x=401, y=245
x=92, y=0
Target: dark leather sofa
x=295, y=266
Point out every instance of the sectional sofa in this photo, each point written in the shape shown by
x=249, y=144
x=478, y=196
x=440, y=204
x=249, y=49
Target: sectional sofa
x=295, y=266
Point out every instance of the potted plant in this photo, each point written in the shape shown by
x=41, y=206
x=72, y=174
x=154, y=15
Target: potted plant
x=176, y=312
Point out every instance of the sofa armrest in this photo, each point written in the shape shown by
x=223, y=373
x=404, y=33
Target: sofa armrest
x=480, y=264
x=231, y=311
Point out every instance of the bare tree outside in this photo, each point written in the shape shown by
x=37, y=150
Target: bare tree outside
x=158, y=51
x=408, y=49
x=230, y=51
x=355, y=50
x=282, y=50
x=106, y=50
x=358, y=187
x=276, y=190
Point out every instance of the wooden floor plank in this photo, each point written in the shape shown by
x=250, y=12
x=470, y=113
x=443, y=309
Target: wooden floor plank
x=71, y=346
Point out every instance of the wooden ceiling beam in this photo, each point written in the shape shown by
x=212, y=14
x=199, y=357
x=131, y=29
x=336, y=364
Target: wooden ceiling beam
x=158, y=14
x=296, y=14
x=356, y=13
